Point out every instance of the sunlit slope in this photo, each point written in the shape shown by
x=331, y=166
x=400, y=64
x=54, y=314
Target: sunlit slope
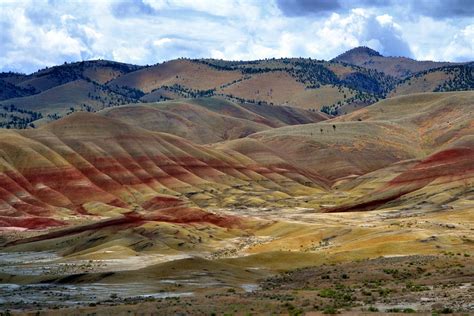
x=445, y=179
x=333, y=150
x=176, y=72
x=436, y=118
x=279, y=87
x=302, y=83
x=209, y=120
x=86, y=163
x=452, y=78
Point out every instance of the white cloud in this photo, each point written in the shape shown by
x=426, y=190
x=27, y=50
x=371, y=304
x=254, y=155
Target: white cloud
x=461, y=47
x=361, y=27
x=440, y=40
x=156, y=4
x=126, y=53
x=37, y=46
x=59, y=41
x=37, y=34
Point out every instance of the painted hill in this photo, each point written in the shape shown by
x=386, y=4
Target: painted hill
x=104, y=164
x=103, y=198
x=444, y=174
x=90, y=164
x=408, y=134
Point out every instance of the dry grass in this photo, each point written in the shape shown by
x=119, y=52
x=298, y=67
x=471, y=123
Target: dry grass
x=183, y=72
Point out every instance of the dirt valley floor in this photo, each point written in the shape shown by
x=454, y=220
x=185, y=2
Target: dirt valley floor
x=304, y=263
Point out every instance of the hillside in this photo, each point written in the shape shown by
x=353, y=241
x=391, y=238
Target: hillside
x=51, y=104
x=416, y=129
x=452, y=78
x=100, y=71
x=294, y=82
x=210, y=120
x=185, y=73
x=8, y=90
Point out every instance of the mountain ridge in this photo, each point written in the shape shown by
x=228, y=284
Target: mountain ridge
x=352, y=80
x=398, y=66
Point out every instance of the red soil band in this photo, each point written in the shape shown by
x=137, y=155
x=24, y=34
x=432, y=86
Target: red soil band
x=30, y=222
x=180, y=215
x=451, y=165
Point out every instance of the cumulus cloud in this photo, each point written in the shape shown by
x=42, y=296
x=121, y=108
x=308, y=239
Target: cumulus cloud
x=38, y=33
x=444, y=8
x=461, y=47
x=307, y=7
x=362, y=27
x=27, y=46
x=431, y=8
x=126, y=8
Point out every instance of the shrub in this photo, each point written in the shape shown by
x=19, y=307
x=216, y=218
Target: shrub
x=330, y=310
x=373, y=309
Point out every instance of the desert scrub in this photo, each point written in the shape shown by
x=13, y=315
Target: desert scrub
x=340, y=295
x=292, y=310
x=373, y=309
x=330, y=310
x=384, y=292
x=410, y=286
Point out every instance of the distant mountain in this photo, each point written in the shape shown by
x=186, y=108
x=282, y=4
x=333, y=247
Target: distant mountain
x=355, y=55
x=355, y=79
x=398, y=67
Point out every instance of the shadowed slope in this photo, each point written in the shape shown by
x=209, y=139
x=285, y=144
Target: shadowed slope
x=78, y=94
x=99, y=71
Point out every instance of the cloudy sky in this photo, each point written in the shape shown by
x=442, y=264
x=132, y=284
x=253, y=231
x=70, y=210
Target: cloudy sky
x=37, y=33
